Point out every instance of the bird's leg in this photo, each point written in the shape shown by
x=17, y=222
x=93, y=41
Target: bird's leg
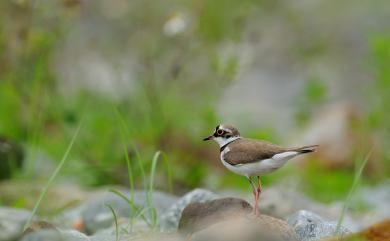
x=258, y=192
x=255, y=195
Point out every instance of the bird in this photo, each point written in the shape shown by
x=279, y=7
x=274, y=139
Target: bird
x=252, y=158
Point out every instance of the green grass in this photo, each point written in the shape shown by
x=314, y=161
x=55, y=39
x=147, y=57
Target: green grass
x=163, y=110
x=52, y=177
x=115, y=221
x=348, y=200
x=323, y=184
x=140, y=211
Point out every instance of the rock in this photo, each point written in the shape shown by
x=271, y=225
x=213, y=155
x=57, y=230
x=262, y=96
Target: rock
x=126, y=229
x=73, y=235
x=43, y=235
x=376, y=232
x=103, y=237
x=11, y=158
x=310, y=226
x=377, y=199
x=27, y=191
x=53, y=235
x=169, y=220
x=12, y=222
x=95, y=215
x=279, y=201
x=263, y=228
x=197, y=215
x=39, y=225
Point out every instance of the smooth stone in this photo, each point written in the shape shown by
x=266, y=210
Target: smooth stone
x=12, y=222
x=169, y=220
x=262, y=227
x=377, y=199
x=136, y=228
x=95, y=215
x=43, y=235
x=27, y=191
x=280, y=202
x=103, y=237
x=197, y=216
x=39, y=225
x=54, y=235
x=377, y=232
x=73, y=235
x=310, y=226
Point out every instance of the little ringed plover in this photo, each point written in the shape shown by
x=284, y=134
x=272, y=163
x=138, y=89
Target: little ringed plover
x=252, y=158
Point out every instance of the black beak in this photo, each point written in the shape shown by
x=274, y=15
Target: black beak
x=208, y=138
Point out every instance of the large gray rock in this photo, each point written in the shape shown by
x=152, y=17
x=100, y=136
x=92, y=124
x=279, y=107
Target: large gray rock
x=377, y=199
x=169, y=220
x=43, y=235
x=95, y=215
x=56, y=198
x=309, y=226
x=54, y=235
x=103, y=237
x=262, y=227
x=12, y=222
x=280, y=201
x=197, y=216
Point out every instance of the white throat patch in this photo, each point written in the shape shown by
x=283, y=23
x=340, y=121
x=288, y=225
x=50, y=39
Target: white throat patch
x=223, y=141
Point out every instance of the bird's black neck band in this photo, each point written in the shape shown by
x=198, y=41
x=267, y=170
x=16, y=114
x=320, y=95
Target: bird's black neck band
x=224, y=146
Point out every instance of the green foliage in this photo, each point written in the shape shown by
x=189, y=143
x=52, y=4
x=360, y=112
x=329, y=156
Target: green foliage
x=313, y=94
x=115, y=221
x=333, y=184
x=177, y=82
x=377, y=116
x=52, y=177
x=175, y=88
x=348, y=200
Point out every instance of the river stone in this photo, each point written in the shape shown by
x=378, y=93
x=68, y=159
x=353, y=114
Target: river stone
x=197, y=216
x=43, y=235
x=12, y=222
x=95, y=215
x=280, y=201
x=310, y=226
x=248, y=228
x=169, y=221
x=377, y=232
x=103, y=237
x=73, y=235
x=54, y=235
x=39, y=225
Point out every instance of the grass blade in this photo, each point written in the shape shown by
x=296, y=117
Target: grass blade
x=131, y=203
x=115, y=220
x=53, y=176
x=358, y=174
x=168, y=170
x=125, y=133
x=153, y=213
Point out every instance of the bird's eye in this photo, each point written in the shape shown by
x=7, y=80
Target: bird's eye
x=220, y=132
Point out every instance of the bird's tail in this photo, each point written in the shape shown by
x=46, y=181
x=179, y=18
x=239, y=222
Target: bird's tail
x=305, y=149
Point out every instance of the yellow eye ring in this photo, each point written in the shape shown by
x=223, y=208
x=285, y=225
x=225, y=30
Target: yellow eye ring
x=220, y=132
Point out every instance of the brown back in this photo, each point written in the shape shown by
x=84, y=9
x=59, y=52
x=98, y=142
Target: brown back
x=247, y=151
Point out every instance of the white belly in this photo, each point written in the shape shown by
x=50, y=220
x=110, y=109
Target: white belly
x=261, y=167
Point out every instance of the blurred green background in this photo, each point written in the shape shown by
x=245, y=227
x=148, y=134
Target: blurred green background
x=141, y=76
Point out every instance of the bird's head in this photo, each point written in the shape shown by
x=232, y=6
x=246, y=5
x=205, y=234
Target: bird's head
x=224, y=134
